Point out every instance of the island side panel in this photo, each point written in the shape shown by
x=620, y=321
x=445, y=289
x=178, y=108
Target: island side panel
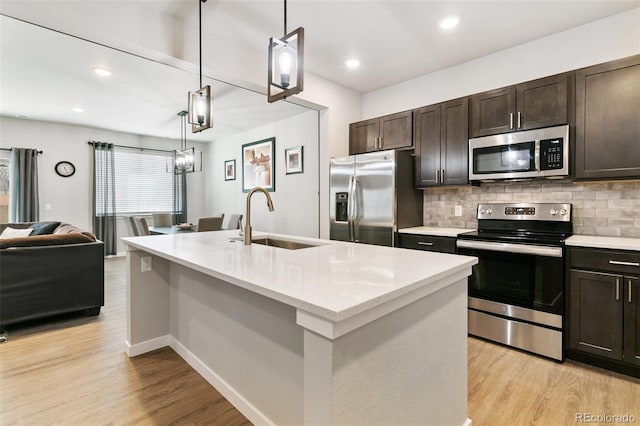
x=147, y=303
x=408, y=367
x=250, y=346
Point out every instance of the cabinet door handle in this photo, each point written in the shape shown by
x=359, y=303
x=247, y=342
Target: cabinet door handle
x=437, y=176
x=519, y=115
x=617, y=289
x=443, y=176
x=380, y=142
x=424, y=243
x=620, y=262
x=511, y=120
x=629, y=290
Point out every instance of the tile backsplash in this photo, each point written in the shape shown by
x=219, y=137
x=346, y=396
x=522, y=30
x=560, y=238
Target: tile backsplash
x=599, y=208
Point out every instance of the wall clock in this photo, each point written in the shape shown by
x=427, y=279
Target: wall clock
x=65, y=168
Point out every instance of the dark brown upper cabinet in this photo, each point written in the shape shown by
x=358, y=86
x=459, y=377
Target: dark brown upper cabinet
x=531, y=105
x=377, y=134
x=608, y=120
x=441, y=140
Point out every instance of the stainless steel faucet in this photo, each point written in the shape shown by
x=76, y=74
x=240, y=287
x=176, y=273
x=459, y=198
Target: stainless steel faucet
x=247, y=228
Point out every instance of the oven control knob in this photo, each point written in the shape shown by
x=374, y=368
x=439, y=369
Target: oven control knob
x=482, y=211
x=553, y=212
x=489, y=211
x=563, y=212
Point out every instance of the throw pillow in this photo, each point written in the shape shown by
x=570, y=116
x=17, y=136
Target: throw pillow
x=43, y=228
x=10, y=232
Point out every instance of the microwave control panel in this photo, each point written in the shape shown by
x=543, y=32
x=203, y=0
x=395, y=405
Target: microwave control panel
x=551, y=154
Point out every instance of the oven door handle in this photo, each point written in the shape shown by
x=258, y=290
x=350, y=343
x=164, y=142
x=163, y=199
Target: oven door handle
x=511, y=248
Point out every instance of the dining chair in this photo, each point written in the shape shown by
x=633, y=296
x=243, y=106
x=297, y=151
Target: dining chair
x=210, y=223
x=133, y=226
x=162, y=219
x=231, y=221
x=143, y=227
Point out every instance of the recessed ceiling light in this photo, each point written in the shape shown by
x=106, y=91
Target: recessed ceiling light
x=449, y=22
x=352, y=63
x=77, y=109
x=102, y=72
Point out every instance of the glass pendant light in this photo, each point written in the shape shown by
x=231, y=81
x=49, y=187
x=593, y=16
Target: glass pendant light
x=200, y=101
x=286, y=63
x=185, y=160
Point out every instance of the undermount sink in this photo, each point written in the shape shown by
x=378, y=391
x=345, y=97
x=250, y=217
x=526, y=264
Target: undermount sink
x=279, y=243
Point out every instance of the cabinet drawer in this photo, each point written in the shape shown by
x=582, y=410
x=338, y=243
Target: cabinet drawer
x=621, y=261
x=427, y=242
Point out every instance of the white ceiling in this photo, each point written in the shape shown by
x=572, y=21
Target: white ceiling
x=396, y=40
x=44, y=73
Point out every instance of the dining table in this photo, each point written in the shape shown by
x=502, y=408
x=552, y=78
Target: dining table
x=165, y=230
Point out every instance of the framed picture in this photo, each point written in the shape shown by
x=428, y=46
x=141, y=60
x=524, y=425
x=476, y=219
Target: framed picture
x=293, y=160
x=258, y=165
x=230, y=170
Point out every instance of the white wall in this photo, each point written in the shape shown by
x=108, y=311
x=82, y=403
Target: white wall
x=611, y=38
x=71, y=198
x=295, y=198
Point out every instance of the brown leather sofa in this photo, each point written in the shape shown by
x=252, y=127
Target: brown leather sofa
x=60, y=270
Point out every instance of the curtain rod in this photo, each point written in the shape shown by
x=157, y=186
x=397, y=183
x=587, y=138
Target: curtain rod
x=9, y=149
x=134, y=147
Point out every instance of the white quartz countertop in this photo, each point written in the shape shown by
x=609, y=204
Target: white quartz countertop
x=334, y=280
x=618, y=243
x=437, y=232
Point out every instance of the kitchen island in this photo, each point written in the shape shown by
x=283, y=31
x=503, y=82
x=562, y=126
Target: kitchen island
x=334, y=333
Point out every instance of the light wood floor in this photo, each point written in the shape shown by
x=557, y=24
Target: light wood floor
x=74, y=371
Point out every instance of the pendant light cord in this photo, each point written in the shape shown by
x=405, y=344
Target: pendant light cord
x=285, y=18
x=183, y=130
x=200, y=34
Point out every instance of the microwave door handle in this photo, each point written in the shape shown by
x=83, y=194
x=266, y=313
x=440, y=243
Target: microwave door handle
x=537, y=155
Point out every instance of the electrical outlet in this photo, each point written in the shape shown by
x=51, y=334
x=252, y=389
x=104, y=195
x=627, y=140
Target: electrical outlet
x=458, y=211
x=145, y=264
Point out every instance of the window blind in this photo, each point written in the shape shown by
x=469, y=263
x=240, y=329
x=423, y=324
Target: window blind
x=142, y=183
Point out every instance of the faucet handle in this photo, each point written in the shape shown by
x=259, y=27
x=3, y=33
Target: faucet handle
x=241, y=232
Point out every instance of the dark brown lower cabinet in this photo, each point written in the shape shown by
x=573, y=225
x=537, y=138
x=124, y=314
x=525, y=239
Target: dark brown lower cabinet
x=604, y=308
x=596, y=313
x=632, y=322
x=426, y=242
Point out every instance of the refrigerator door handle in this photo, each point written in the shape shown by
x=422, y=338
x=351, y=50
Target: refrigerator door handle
x=350, y=209
x=356, y=211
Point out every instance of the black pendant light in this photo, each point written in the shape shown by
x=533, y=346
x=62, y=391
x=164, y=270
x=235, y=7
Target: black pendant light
x=286, y=64
x=200, y=102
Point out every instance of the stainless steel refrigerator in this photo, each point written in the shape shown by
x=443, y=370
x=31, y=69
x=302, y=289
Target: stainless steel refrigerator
x=372, y=196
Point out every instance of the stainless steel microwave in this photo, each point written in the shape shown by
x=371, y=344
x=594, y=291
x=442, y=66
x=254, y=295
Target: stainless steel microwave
x=520, y=155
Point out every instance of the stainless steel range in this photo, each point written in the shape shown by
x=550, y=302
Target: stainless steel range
x=516, y=291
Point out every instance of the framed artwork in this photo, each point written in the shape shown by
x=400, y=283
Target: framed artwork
x=258, y=165
x=230, y=170
x=293, y=160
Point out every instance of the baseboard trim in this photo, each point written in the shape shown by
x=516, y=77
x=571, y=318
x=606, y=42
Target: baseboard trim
x=146, y=346
x=252, y=413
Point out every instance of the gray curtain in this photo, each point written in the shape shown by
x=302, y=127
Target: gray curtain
x=24, y=205
x=104, y=206
x=179, y=198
